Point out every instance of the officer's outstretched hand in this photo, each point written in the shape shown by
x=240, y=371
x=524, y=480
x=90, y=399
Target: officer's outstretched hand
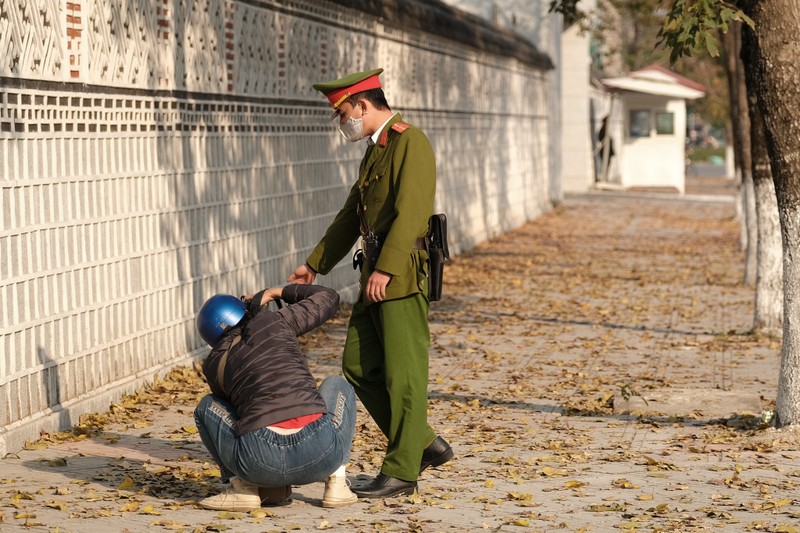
x=303, y=274
x=376, y=286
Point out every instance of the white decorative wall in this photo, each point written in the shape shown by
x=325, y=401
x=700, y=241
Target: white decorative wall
x=153, y=153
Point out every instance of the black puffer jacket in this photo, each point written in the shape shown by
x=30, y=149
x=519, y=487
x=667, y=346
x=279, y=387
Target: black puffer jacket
x=266, y=375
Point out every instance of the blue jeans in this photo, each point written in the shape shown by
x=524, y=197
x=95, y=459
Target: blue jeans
x=268, y=459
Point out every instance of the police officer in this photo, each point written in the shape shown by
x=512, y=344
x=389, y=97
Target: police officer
x=386, y=351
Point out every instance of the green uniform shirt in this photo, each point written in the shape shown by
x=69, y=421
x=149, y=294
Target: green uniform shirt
x=396, y=186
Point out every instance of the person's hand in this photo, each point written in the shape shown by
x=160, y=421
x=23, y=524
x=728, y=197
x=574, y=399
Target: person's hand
x=273, y=293
x=303, y=275
x=376, y=286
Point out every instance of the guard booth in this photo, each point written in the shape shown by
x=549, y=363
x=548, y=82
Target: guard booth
x=646, y=130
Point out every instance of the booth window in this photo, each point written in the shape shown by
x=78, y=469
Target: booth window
x=665, y=123
x=640, y=123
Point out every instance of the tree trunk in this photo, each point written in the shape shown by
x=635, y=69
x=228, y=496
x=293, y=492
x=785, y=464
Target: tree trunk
x=750, y=223
x=768, y=315
x=777, y=75
x=737, y=96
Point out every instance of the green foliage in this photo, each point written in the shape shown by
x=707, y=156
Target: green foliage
x=637, y=23
x=567, y=8
x=694, y=25
x=689, y=26
x=705, y=154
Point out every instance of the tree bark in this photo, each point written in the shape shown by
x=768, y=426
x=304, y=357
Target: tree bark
x=777, y=75
x=768, y=315
x=750, y=227
x=737, y=96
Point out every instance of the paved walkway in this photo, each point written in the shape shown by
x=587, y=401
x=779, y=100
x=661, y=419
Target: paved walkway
x=593, y=371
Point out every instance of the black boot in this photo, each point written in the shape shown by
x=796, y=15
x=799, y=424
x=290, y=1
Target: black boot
x=384, y=486
x=436, y=454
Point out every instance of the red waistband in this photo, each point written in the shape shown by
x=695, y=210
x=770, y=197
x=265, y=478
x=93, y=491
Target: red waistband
x=299, y=422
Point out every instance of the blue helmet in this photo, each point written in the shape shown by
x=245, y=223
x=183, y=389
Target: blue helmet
x=220, y=312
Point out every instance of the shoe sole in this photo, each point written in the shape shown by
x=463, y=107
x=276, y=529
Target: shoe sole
x=339, y=503
x=439, y=461
x=404, y=492
x=231, y=508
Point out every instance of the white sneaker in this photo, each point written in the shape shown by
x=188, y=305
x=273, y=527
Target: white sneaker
x=240, y=496
x=337, y=492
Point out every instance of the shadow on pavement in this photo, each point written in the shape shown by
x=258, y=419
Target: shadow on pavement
x=734, y=422
x=180, y=471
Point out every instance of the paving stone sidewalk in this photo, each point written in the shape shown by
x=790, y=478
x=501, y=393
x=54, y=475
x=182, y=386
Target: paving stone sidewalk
x=593, y=370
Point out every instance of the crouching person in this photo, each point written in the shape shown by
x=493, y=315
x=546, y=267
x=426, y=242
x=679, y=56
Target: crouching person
x=266, y=423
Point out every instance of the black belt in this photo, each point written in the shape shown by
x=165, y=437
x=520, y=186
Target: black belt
x=419, y=244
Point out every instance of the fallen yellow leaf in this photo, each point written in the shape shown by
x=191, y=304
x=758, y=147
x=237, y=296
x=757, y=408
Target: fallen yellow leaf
x=127, y=484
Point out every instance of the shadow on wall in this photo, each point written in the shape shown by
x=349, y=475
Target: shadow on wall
x=252, y=197
x=492, y=175
x=440, y=19
x=252, y=186
x=247, y=210
x=51, y=386
x=177, y=161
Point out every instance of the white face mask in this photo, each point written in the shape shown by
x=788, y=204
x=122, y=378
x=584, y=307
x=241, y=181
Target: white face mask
x=352, y=129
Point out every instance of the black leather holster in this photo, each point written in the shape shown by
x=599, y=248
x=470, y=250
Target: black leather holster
x=438, y=254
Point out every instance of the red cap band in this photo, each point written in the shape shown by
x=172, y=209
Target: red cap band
x=338, y=96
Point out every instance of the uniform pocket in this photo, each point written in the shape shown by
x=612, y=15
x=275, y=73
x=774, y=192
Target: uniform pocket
x=377, y=189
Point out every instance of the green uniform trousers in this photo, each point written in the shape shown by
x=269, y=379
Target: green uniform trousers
x=386, y=361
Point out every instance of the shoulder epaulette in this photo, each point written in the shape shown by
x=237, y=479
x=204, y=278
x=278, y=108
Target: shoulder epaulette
x=400, y=127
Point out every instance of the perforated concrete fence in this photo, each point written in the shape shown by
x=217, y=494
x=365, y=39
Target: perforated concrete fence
x=155, y=153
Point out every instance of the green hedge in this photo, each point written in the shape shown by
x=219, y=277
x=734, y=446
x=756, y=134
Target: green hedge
x=704, y=154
